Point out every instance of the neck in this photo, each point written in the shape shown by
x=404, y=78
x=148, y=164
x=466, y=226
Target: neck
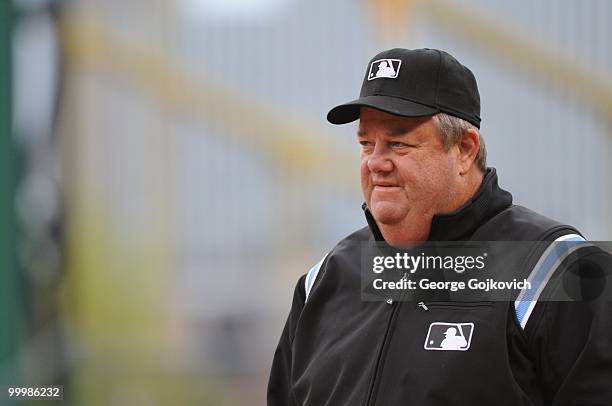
x=401, y=234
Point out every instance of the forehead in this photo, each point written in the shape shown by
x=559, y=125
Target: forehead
x=372, y=119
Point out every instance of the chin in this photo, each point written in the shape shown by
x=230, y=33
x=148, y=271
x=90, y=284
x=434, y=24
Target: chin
x=387, y=213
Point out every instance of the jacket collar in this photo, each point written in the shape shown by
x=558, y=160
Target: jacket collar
x=488, y=201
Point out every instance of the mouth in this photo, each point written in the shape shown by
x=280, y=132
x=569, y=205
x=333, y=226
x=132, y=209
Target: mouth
x=384, y=186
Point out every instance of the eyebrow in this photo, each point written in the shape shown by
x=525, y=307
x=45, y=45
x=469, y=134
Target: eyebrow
x=393, y=132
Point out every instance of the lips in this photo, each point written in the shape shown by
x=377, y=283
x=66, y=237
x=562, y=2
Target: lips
x=385, y=184
x=385, y=188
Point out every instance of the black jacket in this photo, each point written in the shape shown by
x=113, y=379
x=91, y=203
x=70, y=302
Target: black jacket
x=336, y=349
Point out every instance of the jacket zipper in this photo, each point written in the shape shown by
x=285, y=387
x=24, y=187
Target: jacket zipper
x=380, y=361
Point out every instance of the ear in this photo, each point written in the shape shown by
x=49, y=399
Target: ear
x=468, y=149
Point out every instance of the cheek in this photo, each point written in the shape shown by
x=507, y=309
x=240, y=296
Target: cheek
x=365, y=173
x=411, y=171
x=441, y=174
x=366, y=187
x=422, y=174
x=365, y=170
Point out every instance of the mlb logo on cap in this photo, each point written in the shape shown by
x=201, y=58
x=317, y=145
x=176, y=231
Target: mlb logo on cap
x=449, y=336
x=384, y=68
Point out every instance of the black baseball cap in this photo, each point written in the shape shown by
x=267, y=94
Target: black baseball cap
x=414, y=83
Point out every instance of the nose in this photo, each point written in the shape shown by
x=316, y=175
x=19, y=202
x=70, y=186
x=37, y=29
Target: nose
x=379, y=160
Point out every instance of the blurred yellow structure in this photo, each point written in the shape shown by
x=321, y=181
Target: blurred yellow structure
x=200, y=181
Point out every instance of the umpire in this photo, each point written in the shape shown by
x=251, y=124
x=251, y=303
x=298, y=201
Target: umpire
x=424, y=177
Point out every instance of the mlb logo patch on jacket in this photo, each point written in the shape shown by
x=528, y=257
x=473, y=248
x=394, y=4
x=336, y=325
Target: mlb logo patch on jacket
x=443, y=336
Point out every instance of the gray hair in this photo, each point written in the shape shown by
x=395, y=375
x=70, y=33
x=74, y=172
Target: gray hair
x=452, y=129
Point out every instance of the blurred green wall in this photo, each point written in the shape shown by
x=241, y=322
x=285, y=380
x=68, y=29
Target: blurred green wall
x=9, y=305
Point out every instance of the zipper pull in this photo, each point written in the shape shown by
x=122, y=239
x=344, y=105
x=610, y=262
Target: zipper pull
x=423, y=306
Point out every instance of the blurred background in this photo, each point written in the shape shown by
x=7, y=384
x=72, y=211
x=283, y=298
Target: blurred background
x=167, y=172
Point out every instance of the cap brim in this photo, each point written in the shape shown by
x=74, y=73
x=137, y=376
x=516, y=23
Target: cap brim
x=347, y=112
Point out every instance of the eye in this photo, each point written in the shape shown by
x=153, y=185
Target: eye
x=365, y=143
x=402, y=145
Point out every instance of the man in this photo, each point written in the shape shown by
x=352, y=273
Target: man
x=424, y=178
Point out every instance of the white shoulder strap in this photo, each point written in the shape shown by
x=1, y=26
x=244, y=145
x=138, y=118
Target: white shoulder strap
x=550, y=260
x=312, y=276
